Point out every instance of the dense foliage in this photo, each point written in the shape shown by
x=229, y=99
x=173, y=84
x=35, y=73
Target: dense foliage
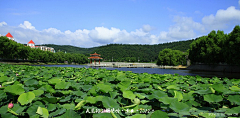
x=12, y=50
x=171, y=57
x=127, y=52
x=216, y=48
x=72, y=49
x=35, y=91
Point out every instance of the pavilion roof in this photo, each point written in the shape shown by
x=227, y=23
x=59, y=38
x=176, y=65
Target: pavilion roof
x=95, y=58
x=95, y=54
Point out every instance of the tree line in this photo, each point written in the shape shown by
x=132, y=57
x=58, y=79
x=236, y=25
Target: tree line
x=172, y=57
x=12, y=50
x=216, y=48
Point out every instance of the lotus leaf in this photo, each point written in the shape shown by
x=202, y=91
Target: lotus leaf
x=104, y=88
x=62, y=85
x=70, y=114
x=68, y=106
x=26, y=98
x=178, y=95
x=43, y=112
x=57, y=112
x=128, y=94
x=54, y=80
x=175, y=87
x=234, y=88
x=110, y=103
x=179, y=106
x=212, y=98
x=31, y=82
x=234, y=99
x=51, y=107
x=4, y=79
x=157, y=94
x=14, y=89
x=167, y=100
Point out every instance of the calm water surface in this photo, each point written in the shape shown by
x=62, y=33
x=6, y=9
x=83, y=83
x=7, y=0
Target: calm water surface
x=161, y=71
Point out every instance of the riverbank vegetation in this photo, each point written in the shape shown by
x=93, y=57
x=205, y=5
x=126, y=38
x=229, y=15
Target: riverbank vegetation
x=216, y=48
x=13, y=51
x=37, y=91
x=172, y=57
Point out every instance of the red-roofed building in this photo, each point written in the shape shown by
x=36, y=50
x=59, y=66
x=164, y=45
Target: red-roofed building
x=10, y=36
x=31, y=44
x=44, y=48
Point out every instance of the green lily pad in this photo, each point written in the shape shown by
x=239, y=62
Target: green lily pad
x=234, y=99
x=38, y=92
x=104, y=88
x=212, y=98
x=158, y=113
x=54, y=81
x=178, y=95
x=234, y=88
x=70, y=114
x=68, y=106
x=62, y=85
x=167, y=100
x=26, y=98
x=31, y=82
x=14, y=89
x=128, y=94
x=91, y=100
x=51, y=107
x=110, y=103
x=174, y=87
x=157, y=94
x=179, y=106
x=43, y=112
x=4, y=78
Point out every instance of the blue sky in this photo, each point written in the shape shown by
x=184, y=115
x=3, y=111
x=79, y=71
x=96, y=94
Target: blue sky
x=91, y=23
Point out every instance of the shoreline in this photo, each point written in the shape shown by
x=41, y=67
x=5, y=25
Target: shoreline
x=215, y=68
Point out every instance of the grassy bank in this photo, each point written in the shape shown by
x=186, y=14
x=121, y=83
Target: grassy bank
x=38, y=91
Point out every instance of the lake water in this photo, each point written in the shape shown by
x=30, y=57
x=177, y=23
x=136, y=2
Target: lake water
x=160, y=71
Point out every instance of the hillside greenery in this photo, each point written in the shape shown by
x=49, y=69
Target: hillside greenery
x=126, y=52
x=216, y=48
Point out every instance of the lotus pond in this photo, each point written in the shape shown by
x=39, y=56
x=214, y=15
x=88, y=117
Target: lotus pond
x=37, y=91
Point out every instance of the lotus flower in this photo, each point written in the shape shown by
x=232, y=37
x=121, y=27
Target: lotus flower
x=17, y=74
x=10, y=105
x=0, y=86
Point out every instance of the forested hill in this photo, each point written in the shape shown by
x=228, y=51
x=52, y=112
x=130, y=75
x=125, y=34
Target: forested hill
x=71, y=49
x=126, y=52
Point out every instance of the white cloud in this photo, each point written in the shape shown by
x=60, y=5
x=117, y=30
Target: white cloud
x=3, y=23
x=81, y=37
x=147, y=28
x=184, y=28
x=27, y=25
x=222, y=18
